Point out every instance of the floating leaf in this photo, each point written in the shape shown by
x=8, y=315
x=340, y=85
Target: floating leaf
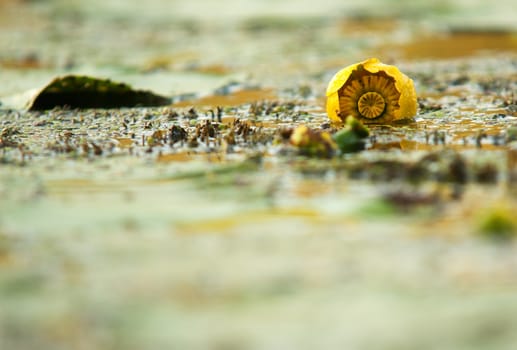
x=86, y=92
x=372, y=92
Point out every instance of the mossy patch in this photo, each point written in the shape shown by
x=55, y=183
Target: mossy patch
x=77, y=91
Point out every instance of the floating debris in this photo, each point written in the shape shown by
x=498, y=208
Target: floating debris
x=408, y=200
x=498, y=224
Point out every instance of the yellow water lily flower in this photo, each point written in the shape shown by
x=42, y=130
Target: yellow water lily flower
x=371, y=91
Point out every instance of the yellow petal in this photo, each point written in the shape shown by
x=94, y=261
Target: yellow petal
x=404, y=108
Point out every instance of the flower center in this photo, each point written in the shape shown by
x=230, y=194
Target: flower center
x=371, y=105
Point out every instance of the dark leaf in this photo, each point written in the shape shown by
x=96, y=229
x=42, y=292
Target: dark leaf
x=86, y=92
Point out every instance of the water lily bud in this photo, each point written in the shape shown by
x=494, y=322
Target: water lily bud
x=313, y=143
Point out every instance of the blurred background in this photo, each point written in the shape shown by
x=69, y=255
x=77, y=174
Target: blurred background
x=178, y=47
